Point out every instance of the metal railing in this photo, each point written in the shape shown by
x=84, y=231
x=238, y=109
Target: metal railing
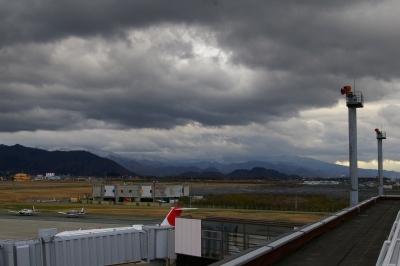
x=355, y=99
x=390, y=249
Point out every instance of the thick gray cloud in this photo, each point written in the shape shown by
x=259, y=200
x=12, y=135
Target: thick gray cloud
x=225, y=66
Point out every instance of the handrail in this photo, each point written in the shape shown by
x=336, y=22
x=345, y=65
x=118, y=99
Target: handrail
x=389, y=246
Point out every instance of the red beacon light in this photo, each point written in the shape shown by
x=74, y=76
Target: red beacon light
x=345, y=90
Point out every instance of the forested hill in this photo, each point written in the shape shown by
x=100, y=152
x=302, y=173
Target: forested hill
x=17, y=158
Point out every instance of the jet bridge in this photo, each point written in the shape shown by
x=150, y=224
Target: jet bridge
x=153, y=244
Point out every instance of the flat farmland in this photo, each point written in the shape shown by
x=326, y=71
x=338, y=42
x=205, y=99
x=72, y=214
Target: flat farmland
x=18, y=195
x=22, y=192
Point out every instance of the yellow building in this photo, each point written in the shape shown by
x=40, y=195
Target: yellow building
x=21, y=177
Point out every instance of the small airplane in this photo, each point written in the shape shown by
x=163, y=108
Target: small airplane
x=74, y=213
x=25, y=211
x=168, y=221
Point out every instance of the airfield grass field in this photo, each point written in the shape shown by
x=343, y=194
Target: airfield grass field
x=19, y=195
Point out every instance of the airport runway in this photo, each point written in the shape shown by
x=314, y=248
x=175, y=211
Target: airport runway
x=16, y=227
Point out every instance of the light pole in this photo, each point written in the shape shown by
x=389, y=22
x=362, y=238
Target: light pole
x=190, y=197
x=295, y=206
x=354, y=100
x=380, y=135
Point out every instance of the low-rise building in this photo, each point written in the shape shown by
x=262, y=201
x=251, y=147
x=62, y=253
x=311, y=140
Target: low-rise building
x=140, y=192
x=21, y=177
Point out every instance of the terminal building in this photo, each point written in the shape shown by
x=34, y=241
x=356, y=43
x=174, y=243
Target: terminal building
x=140, y=192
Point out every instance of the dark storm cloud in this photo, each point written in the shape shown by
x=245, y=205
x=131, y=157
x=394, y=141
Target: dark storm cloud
x=346, y=40
x=48, y=20
x=77, y=64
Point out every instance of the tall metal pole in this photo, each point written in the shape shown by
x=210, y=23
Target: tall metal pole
x=380, y=167
x=354, y=100
x=380, y=135
x=296, y=197
x=190, y=197
x=353, y=156
x=154, y=191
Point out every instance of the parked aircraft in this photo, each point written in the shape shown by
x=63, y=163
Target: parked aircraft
x=168, y=221
x=25, y=211
x=173, y=213
x=74, y=213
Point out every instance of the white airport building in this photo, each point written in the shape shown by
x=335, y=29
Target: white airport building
x=152, y=192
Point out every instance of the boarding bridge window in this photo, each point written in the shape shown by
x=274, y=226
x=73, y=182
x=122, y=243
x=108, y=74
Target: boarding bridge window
x=233, y=243
x=211, y=234
x=211, y=244
x=208, y=225
x=274, y=231
x=211, y=248
x=255, y=240
x=255, y=229
x=233, y=227
x=233, y=238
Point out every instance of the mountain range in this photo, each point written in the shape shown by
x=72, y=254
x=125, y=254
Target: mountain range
x=17, y=158
x=289, y=165
x=87, y=161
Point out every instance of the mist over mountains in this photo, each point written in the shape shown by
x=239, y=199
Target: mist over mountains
x=88, y=161
x=289, y=165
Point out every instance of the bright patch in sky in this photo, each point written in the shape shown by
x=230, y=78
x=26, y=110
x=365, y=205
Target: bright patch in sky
x=388, y=165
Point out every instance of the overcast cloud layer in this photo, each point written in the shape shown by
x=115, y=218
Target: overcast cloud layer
x=215, y=80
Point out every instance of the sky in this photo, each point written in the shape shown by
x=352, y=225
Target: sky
x=212, y=80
